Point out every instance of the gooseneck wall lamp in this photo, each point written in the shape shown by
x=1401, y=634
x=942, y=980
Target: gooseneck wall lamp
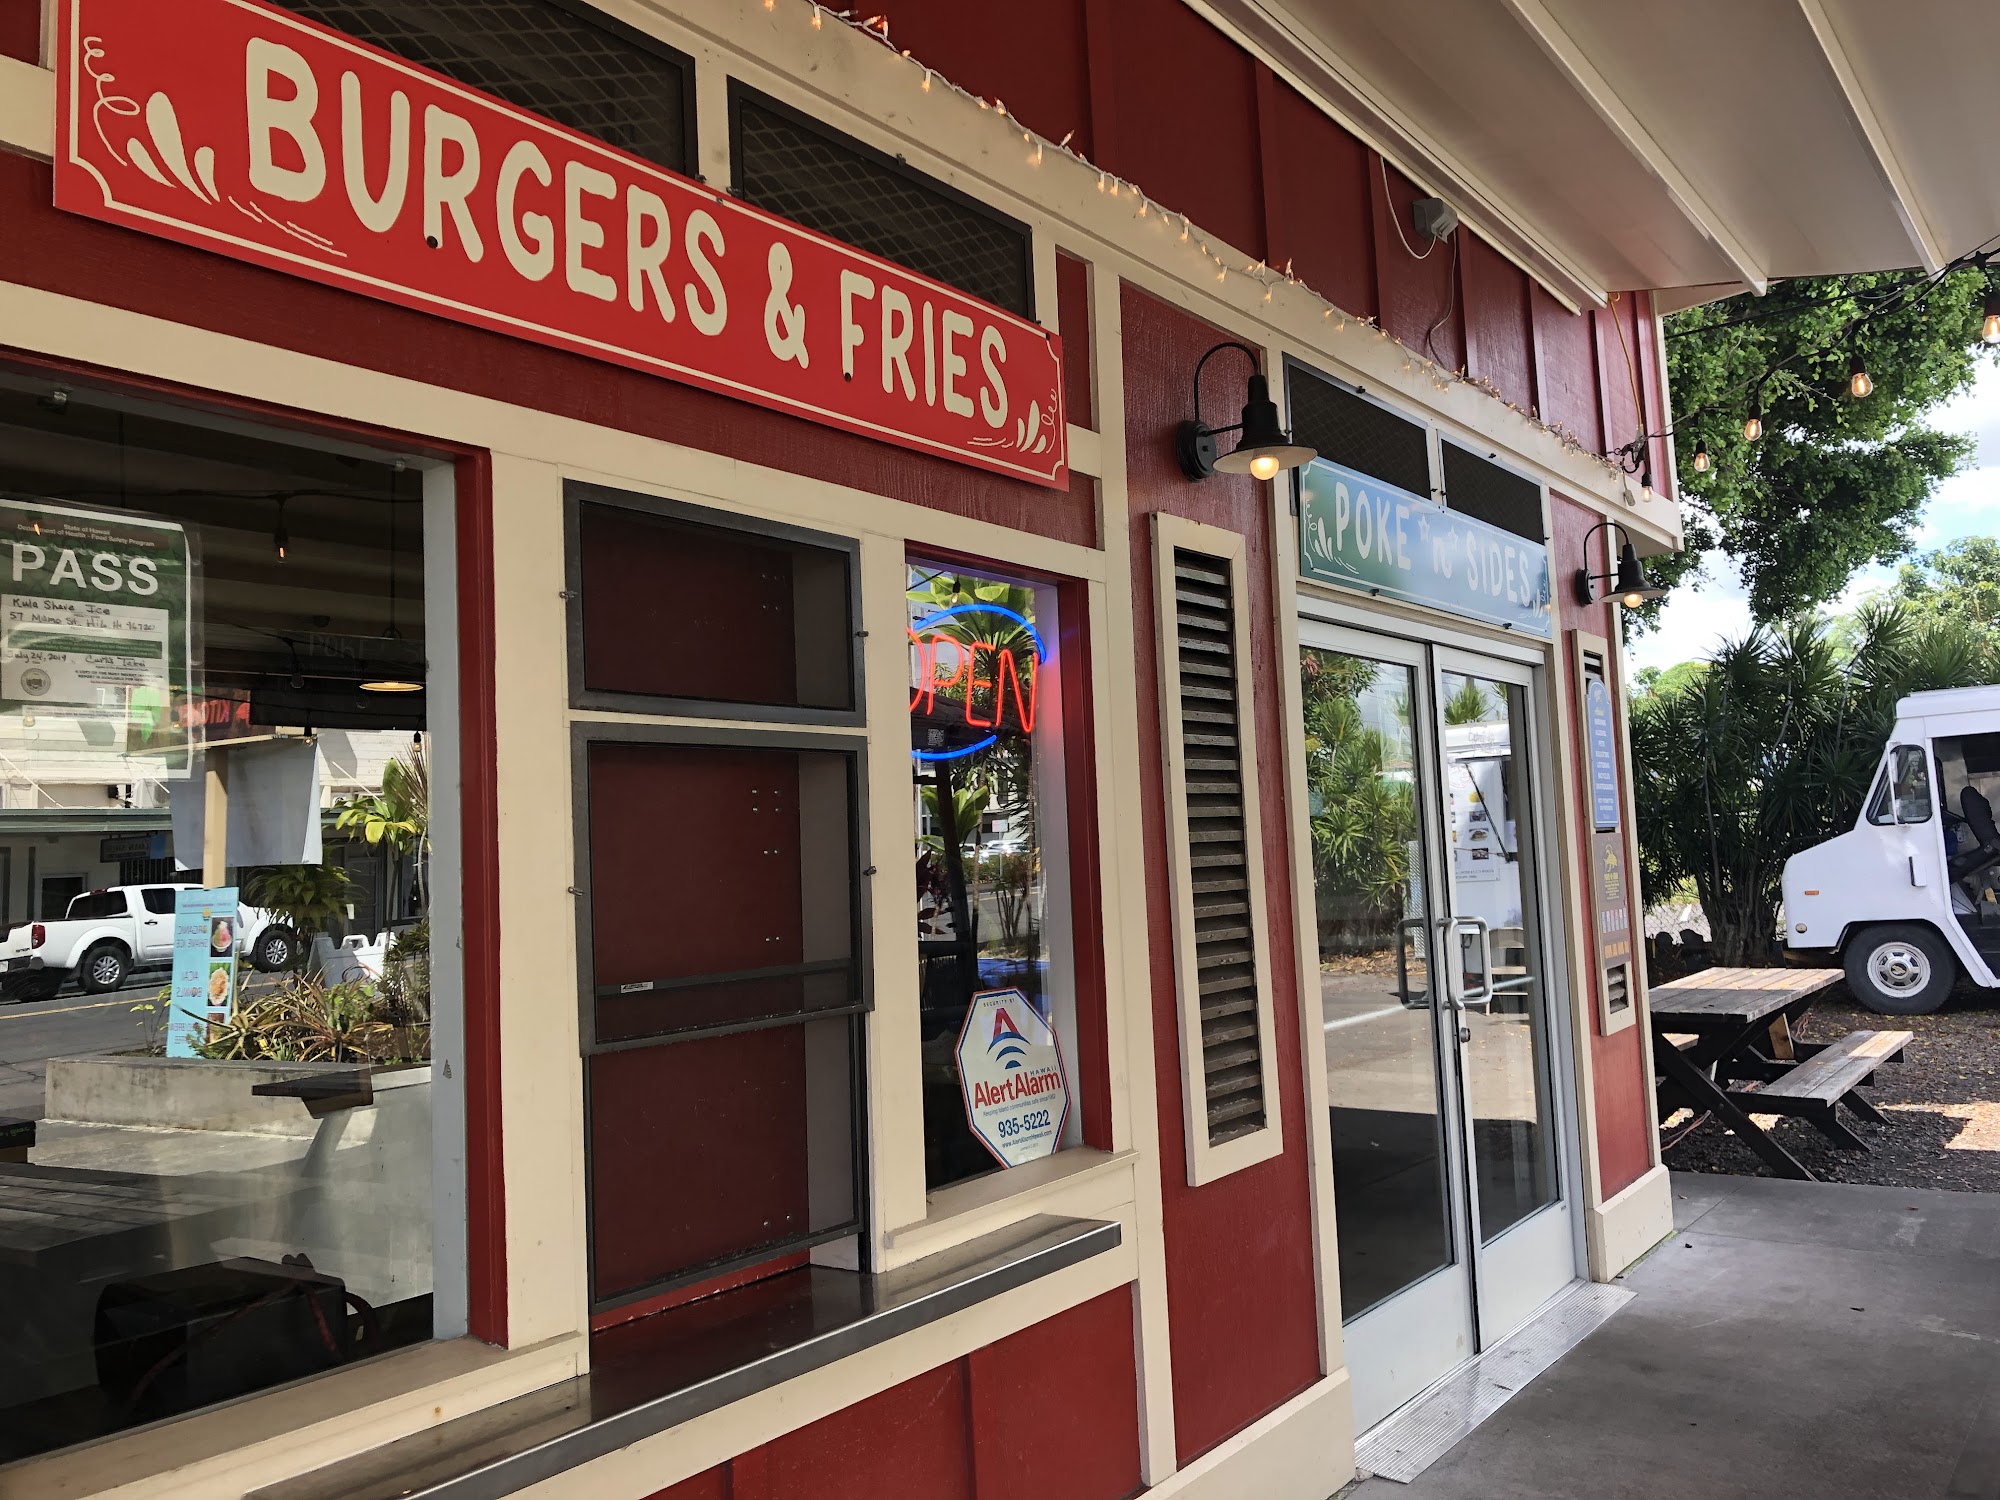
x=1629, y=585
x=1263, y=448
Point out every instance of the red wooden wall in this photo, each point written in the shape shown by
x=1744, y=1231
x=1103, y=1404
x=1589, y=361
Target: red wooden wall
x=1050, y=1413
x=1162, y=99
x=1624, y=1096
x=21, y=29
x=1242, y=1322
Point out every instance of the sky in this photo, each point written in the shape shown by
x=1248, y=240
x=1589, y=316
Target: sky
x=1713, y=605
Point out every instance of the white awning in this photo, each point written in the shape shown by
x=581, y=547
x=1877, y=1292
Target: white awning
x=1619, y=144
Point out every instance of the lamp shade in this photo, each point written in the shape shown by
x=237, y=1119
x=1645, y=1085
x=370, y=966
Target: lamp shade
x=1632, y=587
x=1264, y=448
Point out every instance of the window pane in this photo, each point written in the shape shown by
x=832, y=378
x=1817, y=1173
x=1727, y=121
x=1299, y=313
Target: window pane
x=991, y=836
x=711, y=1150
x=1913, y=786
x=215, y=1163
x=721, y=881
x=680, y=610
x=541, y=56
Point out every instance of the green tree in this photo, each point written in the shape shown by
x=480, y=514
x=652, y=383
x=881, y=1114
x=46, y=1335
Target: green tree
x=1361, y=808
x=1960, y=581
x=1468, y=704
x=1835, y=483
x=1770, y=751
x=308, y=897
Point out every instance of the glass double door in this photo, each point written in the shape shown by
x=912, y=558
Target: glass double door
x=1448, y=1190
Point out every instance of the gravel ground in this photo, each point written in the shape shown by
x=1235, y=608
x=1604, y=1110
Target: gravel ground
x=1942, y=1100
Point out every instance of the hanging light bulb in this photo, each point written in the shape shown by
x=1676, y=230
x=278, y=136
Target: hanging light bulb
x=1701, y=458
x=1989, y=328
x=281, y=539
x=1859, y=386
x=1753, y=425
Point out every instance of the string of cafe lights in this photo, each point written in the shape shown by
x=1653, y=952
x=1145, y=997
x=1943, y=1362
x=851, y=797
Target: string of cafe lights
x=1270, y=278
x=1634, y=457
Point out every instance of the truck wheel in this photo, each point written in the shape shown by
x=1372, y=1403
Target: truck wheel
x=1900, y=971
x=103, y=968
x=276, y=949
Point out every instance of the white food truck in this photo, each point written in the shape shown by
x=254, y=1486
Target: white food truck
x=1907, y=900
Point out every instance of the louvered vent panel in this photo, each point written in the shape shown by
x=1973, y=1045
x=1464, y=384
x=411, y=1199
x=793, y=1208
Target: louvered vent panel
x=1618, y=988
x=1213, y=758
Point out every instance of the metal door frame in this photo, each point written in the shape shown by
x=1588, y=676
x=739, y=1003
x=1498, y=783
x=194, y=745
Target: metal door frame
x=1329, y=624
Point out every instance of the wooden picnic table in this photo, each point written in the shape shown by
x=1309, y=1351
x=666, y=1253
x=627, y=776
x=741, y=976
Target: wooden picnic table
x=1732, y=1014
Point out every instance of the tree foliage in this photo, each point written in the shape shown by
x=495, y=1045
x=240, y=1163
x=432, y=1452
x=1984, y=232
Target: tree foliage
x=1770, y=751
x=1835, y=483
x=1361, y=806
x=1960, y=581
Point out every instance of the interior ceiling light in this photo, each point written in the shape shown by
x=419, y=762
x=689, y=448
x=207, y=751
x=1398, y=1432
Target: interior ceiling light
x=1859, y=386
x=392, y=685
x=281, y=539
x=1263, y=448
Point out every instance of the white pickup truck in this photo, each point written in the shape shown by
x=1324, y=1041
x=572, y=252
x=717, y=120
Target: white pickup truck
x=105, y=935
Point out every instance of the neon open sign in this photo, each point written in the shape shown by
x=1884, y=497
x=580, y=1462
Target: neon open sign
x=971, y=657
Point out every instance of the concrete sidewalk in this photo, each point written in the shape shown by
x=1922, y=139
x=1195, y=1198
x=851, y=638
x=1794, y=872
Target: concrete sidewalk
x=1793, y=1339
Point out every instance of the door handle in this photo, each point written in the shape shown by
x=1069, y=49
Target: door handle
x=1483, y=940
x=1403, y=992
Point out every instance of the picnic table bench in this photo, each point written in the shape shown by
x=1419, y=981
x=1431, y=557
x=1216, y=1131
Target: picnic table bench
x=1744, y=1058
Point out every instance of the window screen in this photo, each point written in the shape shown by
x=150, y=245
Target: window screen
x=815, y=177
x=1488, y=492
x=586, y=72
x=1351, y=430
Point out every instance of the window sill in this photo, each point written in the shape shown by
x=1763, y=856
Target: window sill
x=966, y=1210
x=261, y=1437
x=658, y=1372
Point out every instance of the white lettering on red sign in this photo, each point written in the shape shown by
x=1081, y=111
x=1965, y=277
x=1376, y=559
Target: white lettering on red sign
x=239, y=128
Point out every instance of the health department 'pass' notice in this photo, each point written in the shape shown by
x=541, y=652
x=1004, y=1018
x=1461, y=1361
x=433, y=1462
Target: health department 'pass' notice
x=94, y=619
x=74, y=651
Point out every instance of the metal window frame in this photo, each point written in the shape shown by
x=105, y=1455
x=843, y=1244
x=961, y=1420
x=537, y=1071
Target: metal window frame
x=585, y=733
x=578, y=493
x=1205, y=1162
x=1492, y=457
x=587, y=14
x=1295, y=365
x=741, y=93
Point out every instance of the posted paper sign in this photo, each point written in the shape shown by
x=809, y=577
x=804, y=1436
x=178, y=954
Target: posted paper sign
x=204, y=986
x=94, y=618
x=1010, y=1067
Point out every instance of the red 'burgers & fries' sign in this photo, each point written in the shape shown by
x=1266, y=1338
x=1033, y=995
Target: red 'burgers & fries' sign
x=237, y=127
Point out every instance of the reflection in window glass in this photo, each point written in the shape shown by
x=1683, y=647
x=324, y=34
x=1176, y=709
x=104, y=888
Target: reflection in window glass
x=215, y=1114
x=986, y=779
x=1391, y=1193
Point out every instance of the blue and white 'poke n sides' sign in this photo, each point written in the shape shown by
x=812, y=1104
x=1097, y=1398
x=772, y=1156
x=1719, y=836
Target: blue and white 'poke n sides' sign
x=1361, y=533
x=1010, y=1067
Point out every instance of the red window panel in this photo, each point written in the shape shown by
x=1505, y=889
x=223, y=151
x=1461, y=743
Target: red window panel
x=694, y=861
x=698, y=1152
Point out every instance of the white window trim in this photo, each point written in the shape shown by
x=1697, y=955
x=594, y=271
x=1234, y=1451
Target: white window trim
x=1205, y=1162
